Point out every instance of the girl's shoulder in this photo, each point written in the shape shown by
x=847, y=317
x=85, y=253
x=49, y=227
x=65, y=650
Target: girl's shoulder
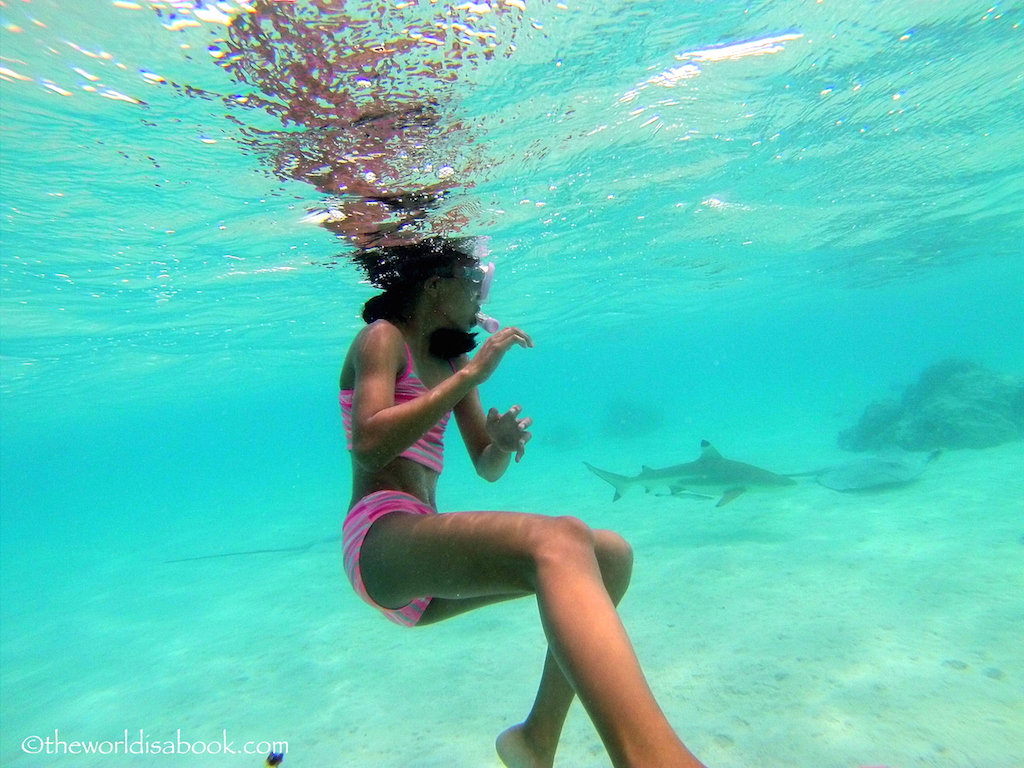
x=379, y=335
x=381, y=339
x=380, y=343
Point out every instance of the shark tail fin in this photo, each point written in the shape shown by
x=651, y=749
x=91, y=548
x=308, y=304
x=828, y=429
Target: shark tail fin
x=621, y=483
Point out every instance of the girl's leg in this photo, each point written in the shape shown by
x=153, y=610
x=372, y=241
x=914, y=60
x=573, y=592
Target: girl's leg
x=532, y=743
x=467, y=555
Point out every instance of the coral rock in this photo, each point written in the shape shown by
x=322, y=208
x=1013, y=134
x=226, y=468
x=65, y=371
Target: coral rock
x=955, y=404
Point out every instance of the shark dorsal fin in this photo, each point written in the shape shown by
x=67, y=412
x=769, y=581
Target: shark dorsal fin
x=707, y=451
x=645, y=468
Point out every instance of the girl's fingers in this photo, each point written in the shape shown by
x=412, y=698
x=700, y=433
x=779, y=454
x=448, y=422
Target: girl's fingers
x=517, y=336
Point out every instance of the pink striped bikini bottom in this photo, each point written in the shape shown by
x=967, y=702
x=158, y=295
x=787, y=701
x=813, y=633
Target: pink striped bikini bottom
x=357, y=523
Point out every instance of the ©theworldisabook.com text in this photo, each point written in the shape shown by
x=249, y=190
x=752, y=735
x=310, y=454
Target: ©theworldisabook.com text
x=141, y=743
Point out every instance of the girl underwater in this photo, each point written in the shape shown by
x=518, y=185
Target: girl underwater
x=406, y=372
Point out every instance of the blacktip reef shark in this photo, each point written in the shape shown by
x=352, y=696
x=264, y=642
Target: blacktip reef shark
x=711, y=472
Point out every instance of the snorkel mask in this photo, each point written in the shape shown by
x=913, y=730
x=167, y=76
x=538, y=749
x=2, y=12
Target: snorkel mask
x=446, y=342
x=486, y=277
x=489, y=324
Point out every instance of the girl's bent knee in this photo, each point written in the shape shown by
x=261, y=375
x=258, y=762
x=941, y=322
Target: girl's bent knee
x=615, y=558
x=613, y=547
x=575, y=530
x=564, y=537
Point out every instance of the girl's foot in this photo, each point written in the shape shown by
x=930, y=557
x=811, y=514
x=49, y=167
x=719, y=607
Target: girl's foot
x=516, y=750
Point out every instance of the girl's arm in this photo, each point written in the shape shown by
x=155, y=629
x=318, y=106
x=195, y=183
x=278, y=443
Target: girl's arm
x=381, y=430
x=491, y=440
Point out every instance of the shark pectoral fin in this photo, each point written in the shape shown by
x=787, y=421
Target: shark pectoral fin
x=729, y=495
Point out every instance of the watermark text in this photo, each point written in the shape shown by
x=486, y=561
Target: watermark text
x=141, y=743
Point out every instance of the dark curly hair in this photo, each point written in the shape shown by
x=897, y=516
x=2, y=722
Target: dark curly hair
x=401, y=270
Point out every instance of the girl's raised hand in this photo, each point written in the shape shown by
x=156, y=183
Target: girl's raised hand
x=508, y=432
x=485, y=362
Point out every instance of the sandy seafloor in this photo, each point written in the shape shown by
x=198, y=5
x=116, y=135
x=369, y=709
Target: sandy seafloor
x=800, y=628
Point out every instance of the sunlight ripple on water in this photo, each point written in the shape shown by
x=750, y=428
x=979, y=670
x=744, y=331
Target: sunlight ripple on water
x=166, y=165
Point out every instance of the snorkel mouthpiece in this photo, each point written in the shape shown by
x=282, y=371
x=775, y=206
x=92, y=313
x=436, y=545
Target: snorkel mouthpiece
x=486, y=322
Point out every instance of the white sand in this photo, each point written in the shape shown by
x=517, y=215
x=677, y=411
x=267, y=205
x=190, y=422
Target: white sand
x=801, y=628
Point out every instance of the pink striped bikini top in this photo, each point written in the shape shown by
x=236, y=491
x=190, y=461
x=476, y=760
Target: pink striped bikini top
x=429, y=449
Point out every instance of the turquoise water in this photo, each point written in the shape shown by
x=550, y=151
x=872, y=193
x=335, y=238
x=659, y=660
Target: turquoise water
x=747, y=246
